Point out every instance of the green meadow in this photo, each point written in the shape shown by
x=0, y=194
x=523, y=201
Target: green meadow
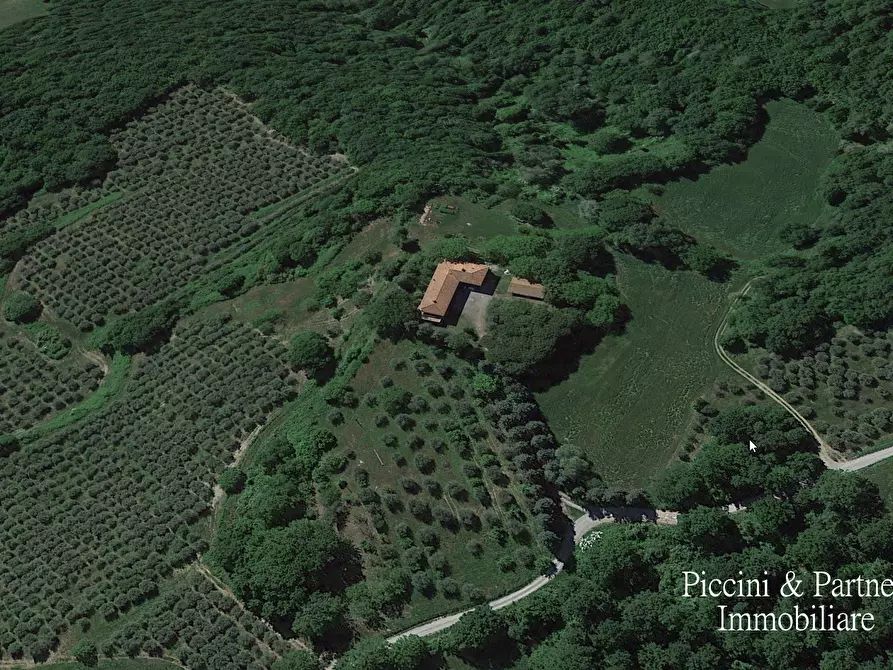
x=13, y=11
x=742, y=208
x=629, y=402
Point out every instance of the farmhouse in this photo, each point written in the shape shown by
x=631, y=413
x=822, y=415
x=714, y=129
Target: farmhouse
x=443, y=286
x=526, y=289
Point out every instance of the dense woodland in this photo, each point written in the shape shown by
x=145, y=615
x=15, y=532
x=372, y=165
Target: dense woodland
x=451, y=96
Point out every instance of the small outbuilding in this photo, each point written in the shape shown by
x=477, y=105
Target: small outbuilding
x=526, y=289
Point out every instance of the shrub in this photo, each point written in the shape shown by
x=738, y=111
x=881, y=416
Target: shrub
x=419, y=509
x=484, y=385
x=525, y=557
x=444, y=516
x=422, y=368
x=424, y=463
x=232, y=480
x=414, y=559
x=470, y=470
x=405, y=422
x=439, y=564
x=21, y=307
x=475, y=547
x=609, y=141
x=469, y=519
x=530, y=213
x=418, y=405
x=423, y=583
x=455, y=390
x=505, y=563
x=433, y=389
x=394, y=400
x=85, y=653
x=450, y=588
x=409, y=485
x=432, y=486
x=475, y=594
x=429, y=537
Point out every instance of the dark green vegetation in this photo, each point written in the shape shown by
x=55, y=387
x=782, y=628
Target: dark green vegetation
x=201, y=156
x=882, y=475
x=522, y=334
x=116, y=664
x=198, y=625
x=425, y=491
x=136, y=190
x=21, y=307
x=607, y=615
x=846, y=276
x=724, y=470
x=628, y=402
x=432, y=469
x=497, y=95
x=34, y=386
x=90, y=524
x=764, y=204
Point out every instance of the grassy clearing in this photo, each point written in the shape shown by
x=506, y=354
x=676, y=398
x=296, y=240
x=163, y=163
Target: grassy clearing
x=882, y=475
x=388, y=469
x=78, y=214
x=741, y=208
x=629, y=403
x=477, y=222
x=280, y=302
x=471, y=220
x=375, y=238
x=13, y=11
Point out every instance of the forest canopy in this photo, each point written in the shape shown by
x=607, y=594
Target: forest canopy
x=435, y=95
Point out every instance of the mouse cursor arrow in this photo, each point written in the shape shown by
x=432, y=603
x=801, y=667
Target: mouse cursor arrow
x=752, y=446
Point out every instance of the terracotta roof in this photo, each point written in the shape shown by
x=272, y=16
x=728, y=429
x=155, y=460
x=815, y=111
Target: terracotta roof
x=446, y=280
x=522, y=287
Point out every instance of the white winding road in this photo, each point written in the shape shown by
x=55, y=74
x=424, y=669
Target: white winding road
x=826, y=452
